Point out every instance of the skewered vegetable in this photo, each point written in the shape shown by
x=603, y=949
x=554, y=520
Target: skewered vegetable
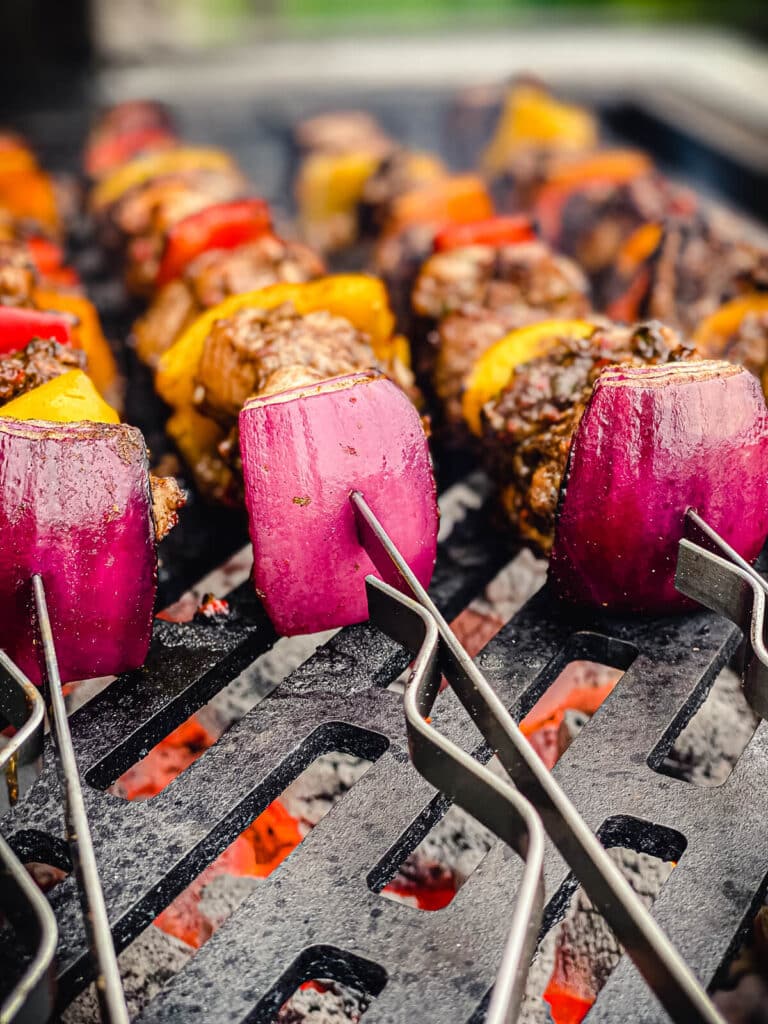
x=219, y=226
x=303, y=451
x=76, y=500
x=653, y=442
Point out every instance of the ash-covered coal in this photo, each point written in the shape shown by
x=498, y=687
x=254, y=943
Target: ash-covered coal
x=324, y=1002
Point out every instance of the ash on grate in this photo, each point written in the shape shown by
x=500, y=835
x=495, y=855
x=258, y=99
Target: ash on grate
x=707, y=749
x=323, y=1001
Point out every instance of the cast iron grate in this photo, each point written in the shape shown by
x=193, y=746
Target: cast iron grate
x=318, y=915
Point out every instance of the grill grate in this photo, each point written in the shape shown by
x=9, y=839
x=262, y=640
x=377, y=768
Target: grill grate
x=319, y=914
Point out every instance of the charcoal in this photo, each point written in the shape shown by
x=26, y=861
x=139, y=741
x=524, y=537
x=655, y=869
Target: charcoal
x=338, y=1004
x=145, y=966
x=711, y=743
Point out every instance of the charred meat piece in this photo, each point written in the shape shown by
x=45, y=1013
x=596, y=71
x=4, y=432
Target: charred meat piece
x=596, y=220
x=167, y=499
x=527, y=273
x=478, y=295
x=528, y=427
x=258, y=352
x=341, y=132
x=699, y=264
x=399, y=172
x=211, y=278
x=18, y=275
x=42, y=360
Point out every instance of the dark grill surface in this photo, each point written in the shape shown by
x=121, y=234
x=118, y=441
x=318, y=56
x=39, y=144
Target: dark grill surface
x=319, y=914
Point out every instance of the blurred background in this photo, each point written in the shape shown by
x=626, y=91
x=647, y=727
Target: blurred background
x=37, y=35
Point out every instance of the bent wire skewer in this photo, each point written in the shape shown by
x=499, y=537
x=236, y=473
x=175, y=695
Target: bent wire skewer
x=109, y=987
x=31, y=998
x=727, y=584
x=656, y=958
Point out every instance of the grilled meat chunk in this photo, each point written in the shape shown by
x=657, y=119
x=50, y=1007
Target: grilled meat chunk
x=399, y=172
x=211, y=278
x=342, y=131
x=40, y=361
x=259, y=351
x=167, y=499
x=527, y=273
x=699, y=264
x=529, y=426
x=595, y=221
x=18, y=275
x=478, y=295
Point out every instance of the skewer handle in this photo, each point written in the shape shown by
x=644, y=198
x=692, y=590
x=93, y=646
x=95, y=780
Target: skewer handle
x=108, y=984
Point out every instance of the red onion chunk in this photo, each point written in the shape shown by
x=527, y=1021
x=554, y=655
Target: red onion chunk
x=75, y=507
x=303, y=452
x=653, y=442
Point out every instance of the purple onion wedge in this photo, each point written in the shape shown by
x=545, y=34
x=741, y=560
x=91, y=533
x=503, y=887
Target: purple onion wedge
x=303, y=452
x=653, y=442
x=75, y=506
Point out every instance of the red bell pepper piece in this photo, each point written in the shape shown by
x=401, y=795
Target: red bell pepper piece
x=46, y=255
x=19, y=326
x=221, y=226
x=494, y=231
x=105, y=154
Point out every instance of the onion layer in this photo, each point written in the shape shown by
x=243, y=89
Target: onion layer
x=303, y=452
x=653, y=442
x=75, y=507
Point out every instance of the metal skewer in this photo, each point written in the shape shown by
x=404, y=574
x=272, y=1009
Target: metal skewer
x=108, y=984
x=30, y=1001
x=727, y=584
x=656, y=958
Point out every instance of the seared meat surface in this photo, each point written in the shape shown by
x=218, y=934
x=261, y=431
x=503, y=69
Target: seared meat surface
x=595, y=221
x=167, y=499
x=257, y=351
x=479, y=294
x=399, y=172
x=17, y=274
x=527, y=273
x=698, y=266
x=211, y=278
x=529, y=426
x=342, y=131
x=42, y=360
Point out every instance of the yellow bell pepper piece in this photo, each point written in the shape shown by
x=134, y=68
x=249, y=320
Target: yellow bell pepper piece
x=494, y=368
x=197, y=439
x=331, y=183
x=531, y=117
x=70, y=398
x=362, y=300
x=155, y=165
x=102, y=366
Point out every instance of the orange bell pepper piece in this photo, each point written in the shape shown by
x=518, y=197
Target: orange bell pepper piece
x=30, y=195
x=69, y=398
x=492, y=371
x=362, y=300
x=15, y=155
x=456, y=199
x=155, y=165
x=712, y=334
x=533, y=118
x=102, y=366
